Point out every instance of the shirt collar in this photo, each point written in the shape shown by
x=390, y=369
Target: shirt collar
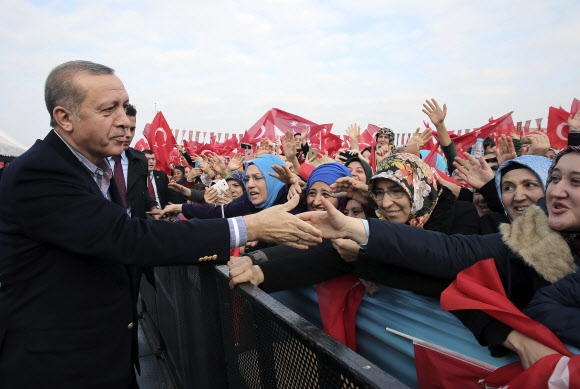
x=94, y=169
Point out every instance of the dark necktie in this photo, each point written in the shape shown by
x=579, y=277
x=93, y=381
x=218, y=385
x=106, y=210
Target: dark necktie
x=150, y=187
x=120, y=178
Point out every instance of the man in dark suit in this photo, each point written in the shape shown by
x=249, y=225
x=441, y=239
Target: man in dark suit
x=67, y=293
x=134, y=169
x=159, y=182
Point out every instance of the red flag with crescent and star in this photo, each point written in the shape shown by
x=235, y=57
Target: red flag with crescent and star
x=558, y=127
x=502, y=125
x=161, y=140
x=265, y=126
x=141, y=145
x=365, y=139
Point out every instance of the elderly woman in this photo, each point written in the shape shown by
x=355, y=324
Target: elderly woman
x=519, y=183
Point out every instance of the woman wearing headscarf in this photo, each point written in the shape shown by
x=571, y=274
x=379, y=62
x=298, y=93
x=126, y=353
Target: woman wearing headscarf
x=532, y=252
x=318, y=184
x=519, y=183
x=405, y=191
x=262, y=191
x=235, y=180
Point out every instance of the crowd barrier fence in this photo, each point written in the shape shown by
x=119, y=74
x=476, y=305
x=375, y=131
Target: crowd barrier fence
x=217, y=337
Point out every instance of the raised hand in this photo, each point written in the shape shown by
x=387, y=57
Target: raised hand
x=236, y=162
x=514, y=134
x=296, y=188
x=383, y=152
x=353, y=131
x=351, y=188
x=476, y=172
x=421, y=139
x=304, y=134
x=283, y=174
x=505, y=149
x=289, y=145
x=574, y=122
x=205, y=167
x=435, y=113
x=540, y=143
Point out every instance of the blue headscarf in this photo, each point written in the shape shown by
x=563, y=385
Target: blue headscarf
x=538, y=164
x=273, y=185
x=328, y=173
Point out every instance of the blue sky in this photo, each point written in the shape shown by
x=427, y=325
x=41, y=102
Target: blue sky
x=220, y=66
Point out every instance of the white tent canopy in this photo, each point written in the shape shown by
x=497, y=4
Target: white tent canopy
x=9, y=147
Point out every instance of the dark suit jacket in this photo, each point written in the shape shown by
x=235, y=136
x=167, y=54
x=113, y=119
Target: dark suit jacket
x=66, y=280
x=165, y=194
x=138, y=197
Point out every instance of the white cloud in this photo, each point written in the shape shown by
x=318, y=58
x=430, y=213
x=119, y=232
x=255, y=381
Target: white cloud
x=220, y=65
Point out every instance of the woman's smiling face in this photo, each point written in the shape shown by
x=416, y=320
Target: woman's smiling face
x=394, y=210
x=318, y=190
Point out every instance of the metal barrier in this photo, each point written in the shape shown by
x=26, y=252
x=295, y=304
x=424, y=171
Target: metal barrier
x=243, y=338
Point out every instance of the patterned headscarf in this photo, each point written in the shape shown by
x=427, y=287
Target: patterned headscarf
x=419, y=181
x=238, y=176
x=389, y=132
x=273, y=185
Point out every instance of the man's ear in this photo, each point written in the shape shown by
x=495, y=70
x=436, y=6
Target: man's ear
x=63, y=118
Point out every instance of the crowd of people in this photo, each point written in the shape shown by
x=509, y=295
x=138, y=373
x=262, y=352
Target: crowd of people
x=515, y=204
x=83, y=215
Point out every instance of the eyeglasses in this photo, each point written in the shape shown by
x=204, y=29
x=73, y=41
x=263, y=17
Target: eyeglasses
x=255, y=177
x=396, y=192
x=491, y=160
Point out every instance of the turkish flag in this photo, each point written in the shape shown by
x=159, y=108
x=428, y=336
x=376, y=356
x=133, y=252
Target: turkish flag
x=346, y=142
x=330, y=143
x=480, y=287
x=141, y=145
x=161, y=140
x=558, y=127
x=439, y=368
x=316, y=129
x=365, y=139
x=320, y=131
x=526, y=129
x=174, y=157
x=465, y=141
x=338, y=301
x=431, y=158
x=284, y=121
x=228, y=147
x=192, y=147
